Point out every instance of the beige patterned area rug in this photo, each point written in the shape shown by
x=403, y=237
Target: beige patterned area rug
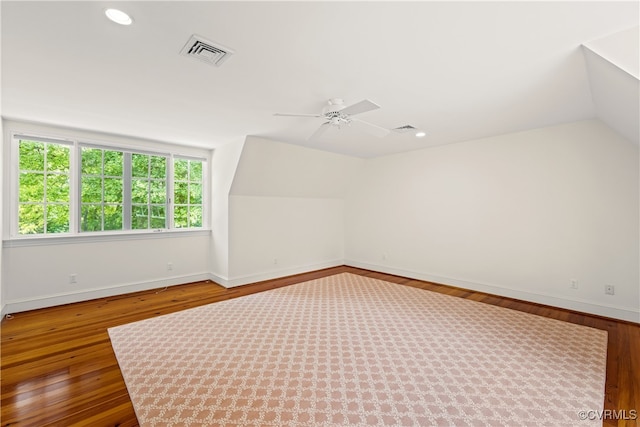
x=350, y=350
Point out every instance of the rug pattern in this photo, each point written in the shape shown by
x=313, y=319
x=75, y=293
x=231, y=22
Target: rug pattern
x=351, y=350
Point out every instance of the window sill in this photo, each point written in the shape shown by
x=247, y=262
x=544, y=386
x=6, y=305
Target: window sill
x=100, y=237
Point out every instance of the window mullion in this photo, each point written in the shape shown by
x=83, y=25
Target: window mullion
x=44, y=183
x=170, y=201
x=148, y=178
x=74, y=189
x=126, y=192
x=15, y=187
x=102, y=183
x=78, y=192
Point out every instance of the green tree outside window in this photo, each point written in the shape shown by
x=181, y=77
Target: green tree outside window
x=148, y=192
x=43, y=187
x=115, y=190
x=187, y=193
x=101, y=189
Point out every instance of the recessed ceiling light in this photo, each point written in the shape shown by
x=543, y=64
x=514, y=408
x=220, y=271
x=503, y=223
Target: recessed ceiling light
x=118, y=16
x=420, y=134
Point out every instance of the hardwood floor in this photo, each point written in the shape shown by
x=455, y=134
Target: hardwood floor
x=58, y=367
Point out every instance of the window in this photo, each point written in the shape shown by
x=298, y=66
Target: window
x=44, y=194
x=148, y=192
x=101, y=189
x=106, y=189
x=187, y=193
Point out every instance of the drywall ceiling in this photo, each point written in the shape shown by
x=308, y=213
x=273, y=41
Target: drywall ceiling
x=613, y=66
x=457, y=70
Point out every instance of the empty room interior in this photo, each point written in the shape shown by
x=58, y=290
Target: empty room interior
x=320, y=213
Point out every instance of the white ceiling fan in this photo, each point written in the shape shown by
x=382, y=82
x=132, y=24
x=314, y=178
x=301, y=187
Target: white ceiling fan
x=337, y=115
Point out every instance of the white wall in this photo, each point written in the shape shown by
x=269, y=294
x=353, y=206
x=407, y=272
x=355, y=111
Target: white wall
x=612, y=63
x=286, y=210
x=38, y=276
x=278, y=236
x=2, y=143
x=516, y=215
x=36, y=273
x=2, y=298
x=615, y=94
x=224, y=163
x=275, y=169
x=621, y=48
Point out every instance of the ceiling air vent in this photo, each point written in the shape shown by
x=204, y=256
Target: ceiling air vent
x=403, y=129
x=206, y=51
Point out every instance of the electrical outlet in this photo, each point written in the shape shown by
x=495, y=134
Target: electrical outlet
x=73, y=278
x=609, y=289
x=169, y=266
x=573, y=283
x=275, y=261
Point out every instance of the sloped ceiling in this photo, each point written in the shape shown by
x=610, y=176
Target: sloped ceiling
x=613, y=65
x=266, y=168
x=458, y=70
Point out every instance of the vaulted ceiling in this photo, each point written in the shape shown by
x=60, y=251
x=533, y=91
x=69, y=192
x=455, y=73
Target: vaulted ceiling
x=457, y=70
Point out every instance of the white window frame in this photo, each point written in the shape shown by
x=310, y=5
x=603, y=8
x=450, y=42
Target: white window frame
x=75, y=201
x=149, y=178
x=15, y=184
x=204, y=191
x=102, y=176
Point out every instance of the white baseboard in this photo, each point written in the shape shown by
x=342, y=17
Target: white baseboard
x=18, y=305
x=219, y=279
x=606, y=310
x=272, y=274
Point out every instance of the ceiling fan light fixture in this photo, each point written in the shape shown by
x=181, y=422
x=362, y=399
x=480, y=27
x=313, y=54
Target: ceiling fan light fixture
x=118, y=16
x=337, y=114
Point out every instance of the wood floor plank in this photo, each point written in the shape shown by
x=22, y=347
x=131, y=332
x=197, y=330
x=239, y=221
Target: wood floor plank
x=58, y=367
x=626, y=387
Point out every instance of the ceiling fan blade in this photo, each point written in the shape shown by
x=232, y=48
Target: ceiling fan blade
x=322, y=129
x=297, y=115
x=374, y=130
x=360, y=107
